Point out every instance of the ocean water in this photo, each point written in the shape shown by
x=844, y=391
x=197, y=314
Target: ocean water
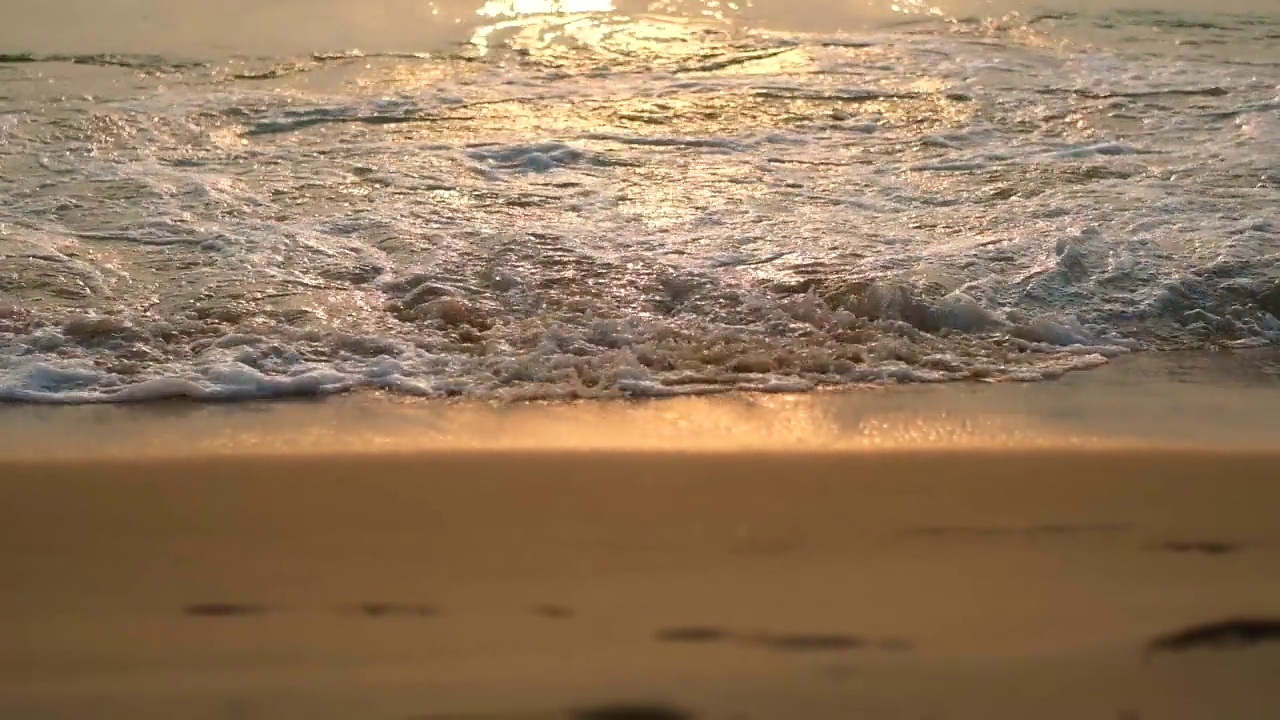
x=520, y=199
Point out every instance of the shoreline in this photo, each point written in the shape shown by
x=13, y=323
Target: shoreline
x=1203, y=401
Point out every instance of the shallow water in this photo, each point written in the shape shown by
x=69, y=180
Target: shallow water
x=260, y=199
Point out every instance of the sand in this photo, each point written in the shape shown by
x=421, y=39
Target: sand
x=955, y=552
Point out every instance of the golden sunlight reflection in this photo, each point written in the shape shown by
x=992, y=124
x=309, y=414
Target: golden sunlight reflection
x=714, y=9
x=818, y=422
x=659, y=27
x=914, y=7
x=514, y=8
x=514, y=15
x=551, y=26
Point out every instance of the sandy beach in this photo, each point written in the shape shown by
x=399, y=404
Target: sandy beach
x=956, y=552
x=639, y=360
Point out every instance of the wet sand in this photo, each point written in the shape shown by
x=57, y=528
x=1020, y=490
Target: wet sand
x=1101, y=547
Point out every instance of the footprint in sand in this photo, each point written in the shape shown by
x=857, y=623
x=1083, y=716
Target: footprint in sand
x=224, y=609
x=391, y=609
x=1199, y=547
x=1223, y=634
x=781, y=642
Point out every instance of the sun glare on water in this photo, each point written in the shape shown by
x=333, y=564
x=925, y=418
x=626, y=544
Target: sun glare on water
x=655, y=28
x=513, y=8
x=914, y=7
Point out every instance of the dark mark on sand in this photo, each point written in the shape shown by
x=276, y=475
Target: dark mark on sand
x=782, y=642
x=224, y=609
x=387, y=609
x=553, y=612
x=1233, y=632
x=1201, y=547
x=799, y=642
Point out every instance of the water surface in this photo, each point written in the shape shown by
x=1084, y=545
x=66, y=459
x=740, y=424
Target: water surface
x=529, y=199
